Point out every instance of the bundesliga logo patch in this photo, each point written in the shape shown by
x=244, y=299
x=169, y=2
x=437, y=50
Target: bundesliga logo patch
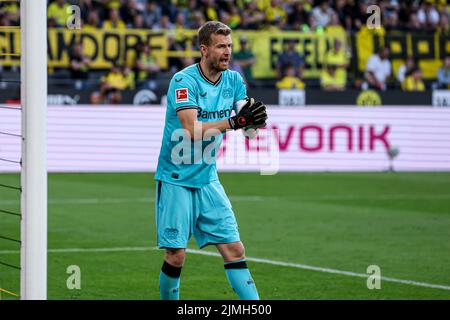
x=181, y=95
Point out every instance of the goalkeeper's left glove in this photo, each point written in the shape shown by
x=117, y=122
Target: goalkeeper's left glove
x=261, y=114
x=251, y=114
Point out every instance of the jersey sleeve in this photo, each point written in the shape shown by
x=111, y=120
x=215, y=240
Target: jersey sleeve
x=240, y=92
x=182, y=93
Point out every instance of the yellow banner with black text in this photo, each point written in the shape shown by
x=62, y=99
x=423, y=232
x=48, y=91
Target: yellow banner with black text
x=106, y=47
x=427, y=49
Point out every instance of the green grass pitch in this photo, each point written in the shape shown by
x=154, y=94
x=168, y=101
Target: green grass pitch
x=343, y=221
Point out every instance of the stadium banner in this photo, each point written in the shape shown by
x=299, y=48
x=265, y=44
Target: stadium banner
x=268, y=46
x=128, y=139
x=428, y=49
x=68, y=95
x=368, y=97
x=105, y=47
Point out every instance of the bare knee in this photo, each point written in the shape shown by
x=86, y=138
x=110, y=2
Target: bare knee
x=175, y=257
x=232, y=251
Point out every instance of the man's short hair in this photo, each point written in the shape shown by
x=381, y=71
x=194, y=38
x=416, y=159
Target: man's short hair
x=209, y=28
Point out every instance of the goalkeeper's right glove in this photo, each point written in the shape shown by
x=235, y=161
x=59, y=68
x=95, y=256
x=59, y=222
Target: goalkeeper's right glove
x=251, y=114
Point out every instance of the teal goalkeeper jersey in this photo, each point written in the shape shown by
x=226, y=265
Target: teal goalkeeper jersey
x=181, y=161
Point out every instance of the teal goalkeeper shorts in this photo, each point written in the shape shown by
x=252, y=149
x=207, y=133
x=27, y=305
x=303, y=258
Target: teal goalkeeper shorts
x=203, y=212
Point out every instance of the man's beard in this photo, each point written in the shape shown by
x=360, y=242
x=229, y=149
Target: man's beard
x=215, y=66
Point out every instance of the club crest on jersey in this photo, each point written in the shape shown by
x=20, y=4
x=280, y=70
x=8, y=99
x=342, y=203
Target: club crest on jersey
x=227, y=93
x=181, y=95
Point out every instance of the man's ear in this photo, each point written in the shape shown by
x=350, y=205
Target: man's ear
x=203, y=49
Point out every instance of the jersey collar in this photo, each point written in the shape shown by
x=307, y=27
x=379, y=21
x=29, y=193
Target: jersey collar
x=206, y=79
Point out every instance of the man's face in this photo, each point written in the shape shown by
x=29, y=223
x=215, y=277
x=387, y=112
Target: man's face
x=93, y=16
x=331, y=70
x=218, y=53
x=291, y=45
x=290, y=72
x=79, y=49
x=337, y=45
x=114, y=14
x=384, y=53
x=447, y=63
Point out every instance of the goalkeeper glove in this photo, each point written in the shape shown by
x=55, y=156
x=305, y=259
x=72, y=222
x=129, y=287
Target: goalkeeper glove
x=252, y=114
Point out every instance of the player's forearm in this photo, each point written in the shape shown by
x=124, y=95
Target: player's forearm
x=201, y=130
x=250, y=114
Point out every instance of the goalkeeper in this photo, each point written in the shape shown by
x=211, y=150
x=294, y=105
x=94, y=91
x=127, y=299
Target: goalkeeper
x=189, y=197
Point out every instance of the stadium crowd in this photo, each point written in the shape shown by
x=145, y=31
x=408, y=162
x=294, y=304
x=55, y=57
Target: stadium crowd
x=403, y=15
x=330, y=16
x=406, y=15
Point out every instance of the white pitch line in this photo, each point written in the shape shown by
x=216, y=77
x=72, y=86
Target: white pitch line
x=74, y=250
x=258, y=260
x=327, y=270
x=237, y=198
x=120, y=200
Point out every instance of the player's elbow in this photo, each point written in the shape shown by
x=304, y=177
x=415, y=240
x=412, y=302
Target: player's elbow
x=193, y=133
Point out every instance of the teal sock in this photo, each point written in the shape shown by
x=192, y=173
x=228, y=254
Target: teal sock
x=169, y=282
x=241, y=280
